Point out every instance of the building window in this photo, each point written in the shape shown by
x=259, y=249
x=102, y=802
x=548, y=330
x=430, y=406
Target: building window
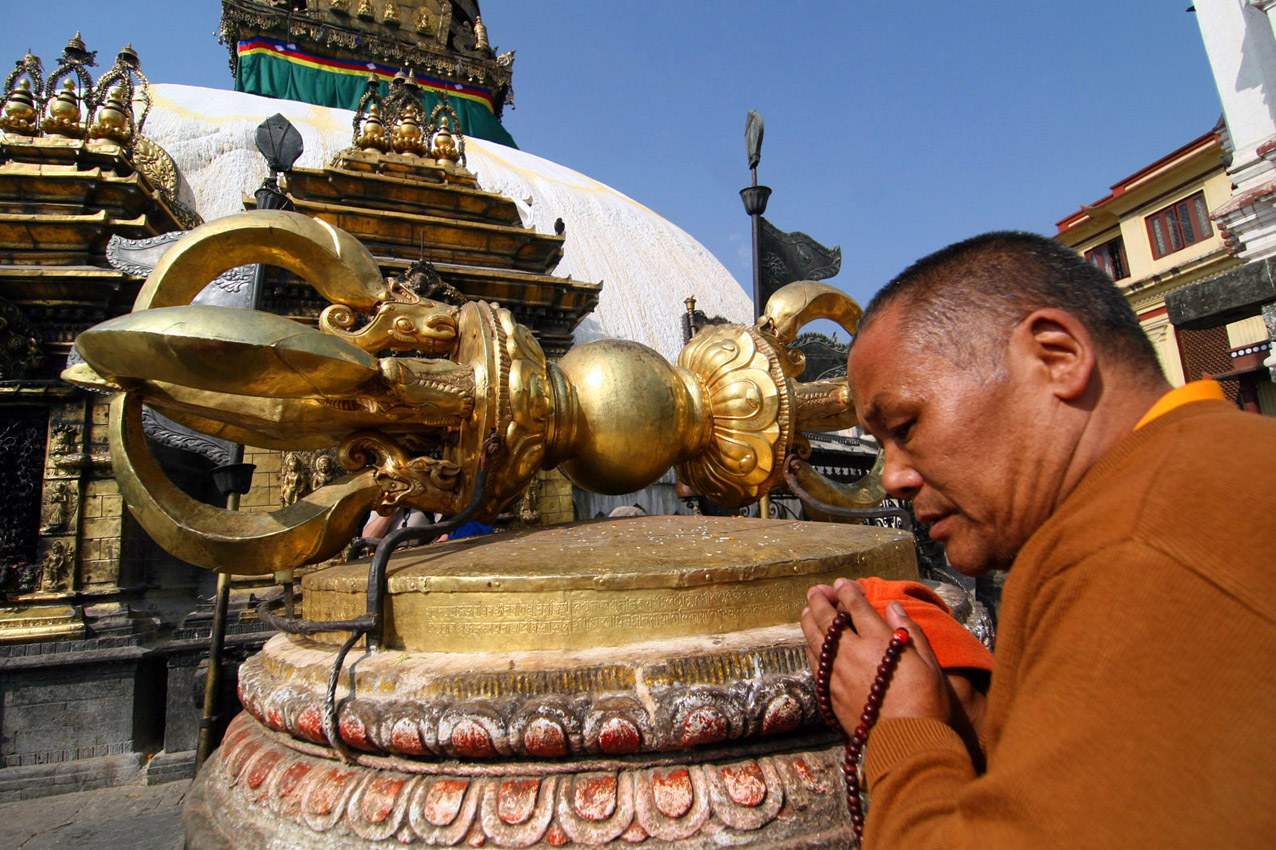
x=1110, y=256
x=1179, y=225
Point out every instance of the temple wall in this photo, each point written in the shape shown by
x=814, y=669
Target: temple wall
x=555, y=498
x=264, y=495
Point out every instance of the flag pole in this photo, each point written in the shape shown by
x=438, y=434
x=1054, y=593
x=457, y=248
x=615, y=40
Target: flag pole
x=755, y=198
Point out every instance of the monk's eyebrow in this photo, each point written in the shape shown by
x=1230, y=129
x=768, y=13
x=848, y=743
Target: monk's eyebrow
x=873, y=414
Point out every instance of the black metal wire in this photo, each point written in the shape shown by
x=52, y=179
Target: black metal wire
x=396, y=538
x=372, y=624
x=330, y=728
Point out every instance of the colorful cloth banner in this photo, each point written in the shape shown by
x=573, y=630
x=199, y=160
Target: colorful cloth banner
x=279, y=69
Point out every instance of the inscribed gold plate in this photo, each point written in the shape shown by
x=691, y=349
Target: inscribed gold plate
x=608, y=582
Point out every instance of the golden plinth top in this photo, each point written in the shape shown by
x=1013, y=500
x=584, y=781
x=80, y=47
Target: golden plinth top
x=608, y=582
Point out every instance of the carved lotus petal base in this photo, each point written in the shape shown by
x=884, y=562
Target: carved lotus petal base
x=264, y=790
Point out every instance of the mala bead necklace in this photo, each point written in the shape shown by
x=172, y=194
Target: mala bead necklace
x=854, y=743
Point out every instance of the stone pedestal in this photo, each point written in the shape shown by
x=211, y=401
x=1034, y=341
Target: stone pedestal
x=601, y=684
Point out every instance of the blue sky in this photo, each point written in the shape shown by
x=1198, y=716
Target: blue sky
x=892, y=128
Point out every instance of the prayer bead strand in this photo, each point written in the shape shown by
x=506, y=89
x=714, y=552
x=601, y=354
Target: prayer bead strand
x=854, y=744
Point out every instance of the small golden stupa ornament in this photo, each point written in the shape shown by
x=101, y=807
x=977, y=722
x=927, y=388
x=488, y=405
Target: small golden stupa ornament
x=19, y=114
x=480, y=34
x=372, y=135
x=63, y=117
x=112, y=122
x=408, y=136
x=443, y=145
x=391, y=15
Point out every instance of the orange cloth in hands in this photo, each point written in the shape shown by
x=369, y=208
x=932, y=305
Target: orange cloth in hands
x=952, y=644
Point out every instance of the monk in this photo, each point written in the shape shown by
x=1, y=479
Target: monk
x=1133, y=693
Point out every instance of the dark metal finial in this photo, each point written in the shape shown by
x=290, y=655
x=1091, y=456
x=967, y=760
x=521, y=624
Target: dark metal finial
x=753, y=138
x=279, y=142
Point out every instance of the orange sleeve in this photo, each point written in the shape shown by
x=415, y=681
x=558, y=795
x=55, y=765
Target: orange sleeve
x=1126, y=721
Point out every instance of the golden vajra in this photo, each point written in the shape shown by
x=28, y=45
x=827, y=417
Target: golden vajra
x=613, y=415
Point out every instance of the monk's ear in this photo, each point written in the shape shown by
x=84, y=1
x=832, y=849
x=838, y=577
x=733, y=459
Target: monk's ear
x=1057, y=348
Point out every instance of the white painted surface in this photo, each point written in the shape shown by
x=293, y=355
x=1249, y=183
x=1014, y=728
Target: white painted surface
x=1241, y=46
x=647, y=265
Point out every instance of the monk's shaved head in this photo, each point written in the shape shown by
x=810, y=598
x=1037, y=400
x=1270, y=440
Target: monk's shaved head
x=963, y=301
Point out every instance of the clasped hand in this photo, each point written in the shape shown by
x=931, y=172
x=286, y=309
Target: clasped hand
x=919, y=687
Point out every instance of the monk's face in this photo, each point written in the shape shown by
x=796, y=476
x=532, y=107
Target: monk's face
x=958, y=443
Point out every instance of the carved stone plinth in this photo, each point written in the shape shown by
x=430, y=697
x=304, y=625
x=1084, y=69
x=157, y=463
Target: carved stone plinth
x=663, y=699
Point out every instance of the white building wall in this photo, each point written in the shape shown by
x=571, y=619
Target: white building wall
x=1241, y=45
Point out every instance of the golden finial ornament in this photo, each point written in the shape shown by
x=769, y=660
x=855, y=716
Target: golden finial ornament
x=391, y=15
x=19, y=114
x=127, y=57
x=63, y=118
x=76, y=50
x=443, y=145
x=480, y=34
x=372, y=136
x=365, y=11
x=112, y=122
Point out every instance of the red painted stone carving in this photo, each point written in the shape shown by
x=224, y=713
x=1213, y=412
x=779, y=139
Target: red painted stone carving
x=783, y=714
x=545, y=739
x=443, y=801
x=619, y=736
x=674, y=716
x=261, y=768
x=704, y=726
x=515, y=800
x=471, y=740
x=309, y=725
x=379, y=798
x=744, y=784
x=595, y=797
x=672, y=791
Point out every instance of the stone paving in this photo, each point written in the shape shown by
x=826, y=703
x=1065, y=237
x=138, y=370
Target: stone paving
x=118, y=818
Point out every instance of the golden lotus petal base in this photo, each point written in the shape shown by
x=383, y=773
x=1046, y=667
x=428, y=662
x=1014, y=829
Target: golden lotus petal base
x=608, y=582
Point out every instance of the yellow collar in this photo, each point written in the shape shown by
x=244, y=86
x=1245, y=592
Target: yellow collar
x=1179, y=396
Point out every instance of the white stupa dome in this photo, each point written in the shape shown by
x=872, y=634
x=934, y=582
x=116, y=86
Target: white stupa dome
x=647, y=265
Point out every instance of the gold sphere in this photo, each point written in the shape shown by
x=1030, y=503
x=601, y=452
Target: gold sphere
x=638, y=415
